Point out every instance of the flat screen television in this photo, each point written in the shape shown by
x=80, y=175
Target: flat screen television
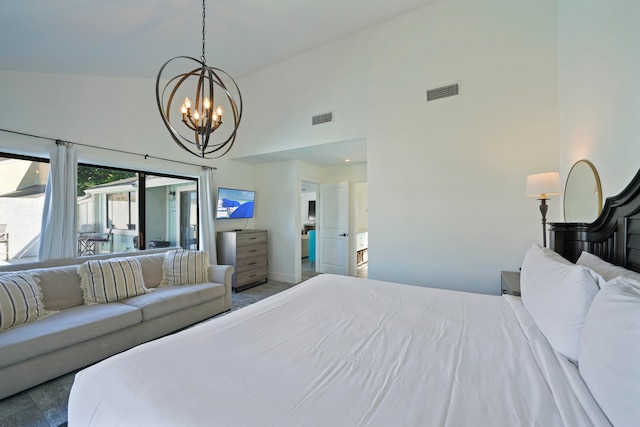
x=234, y=203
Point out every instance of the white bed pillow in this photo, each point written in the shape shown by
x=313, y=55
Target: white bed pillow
x=609, y=352
x=111, y=280
x=557, y=294
x=185, y=267
x=20, y=300
x=607, y=270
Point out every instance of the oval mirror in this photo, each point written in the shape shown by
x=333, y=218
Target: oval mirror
x=582, y=193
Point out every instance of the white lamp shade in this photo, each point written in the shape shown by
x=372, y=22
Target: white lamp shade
x=542, y=185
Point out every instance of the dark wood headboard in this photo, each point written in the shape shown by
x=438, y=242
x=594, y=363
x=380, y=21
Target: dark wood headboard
x=614, y=236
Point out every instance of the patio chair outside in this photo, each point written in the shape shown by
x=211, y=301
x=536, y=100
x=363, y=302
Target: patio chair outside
x=100, y=238
x=84, y=246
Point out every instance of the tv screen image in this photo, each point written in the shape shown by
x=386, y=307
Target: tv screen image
x=234, y=203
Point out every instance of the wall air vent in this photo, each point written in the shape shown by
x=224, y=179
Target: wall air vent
x=443, y=92
x=322, y=118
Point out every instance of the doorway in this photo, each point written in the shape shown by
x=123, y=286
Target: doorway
x=361, y=220
x=308, y=221
x=358, y=248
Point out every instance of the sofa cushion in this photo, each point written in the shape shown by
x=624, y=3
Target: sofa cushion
x=169, y=299
x=185, y=267
x=60, y=286
x=20, y=300
x=151, y=269
x=111, y=280
x=65, y=328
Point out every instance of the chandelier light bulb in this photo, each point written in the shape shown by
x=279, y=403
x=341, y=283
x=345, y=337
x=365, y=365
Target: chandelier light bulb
x=187, y=103
x=207, y=103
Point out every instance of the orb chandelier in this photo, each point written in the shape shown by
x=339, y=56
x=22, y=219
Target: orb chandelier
x=192, y=123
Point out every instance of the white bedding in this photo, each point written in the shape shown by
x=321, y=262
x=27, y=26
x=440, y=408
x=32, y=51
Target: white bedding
x=342, y=351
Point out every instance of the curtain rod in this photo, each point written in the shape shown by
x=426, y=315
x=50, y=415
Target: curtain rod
x=146, y=156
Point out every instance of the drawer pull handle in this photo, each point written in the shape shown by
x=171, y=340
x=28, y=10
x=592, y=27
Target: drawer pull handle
x=253, y=275
x=253, y=250
x=252, y=263
x=252, y=238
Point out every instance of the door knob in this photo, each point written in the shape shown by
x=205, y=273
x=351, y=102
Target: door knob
x=343, y=235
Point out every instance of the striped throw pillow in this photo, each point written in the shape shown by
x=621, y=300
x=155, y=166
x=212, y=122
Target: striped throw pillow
x=20, y=300
x=111, y=280
x=185, y=267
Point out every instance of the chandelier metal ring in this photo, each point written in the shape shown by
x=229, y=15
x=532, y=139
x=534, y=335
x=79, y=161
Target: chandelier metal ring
x=200, y=128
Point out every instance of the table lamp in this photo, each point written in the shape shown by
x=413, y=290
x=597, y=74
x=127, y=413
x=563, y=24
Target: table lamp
x=541, y=186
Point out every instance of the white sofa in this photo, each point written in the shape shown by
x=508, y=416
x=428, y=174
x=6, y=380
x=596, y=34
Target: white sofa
x=79, y=335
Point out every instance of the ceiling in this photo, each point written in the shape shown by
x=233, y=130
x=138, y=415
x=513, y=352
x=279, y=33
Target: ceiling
x=133, y=38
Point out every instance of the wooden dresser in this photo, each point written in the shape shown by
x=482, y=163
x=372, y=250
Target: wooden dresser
x=246, y=251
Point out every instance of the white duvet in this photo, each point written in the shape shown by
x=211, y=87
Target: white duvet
x=342, y=351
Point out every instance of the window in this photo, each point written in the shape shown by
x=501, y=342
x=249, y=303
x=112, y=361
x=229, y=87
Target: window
x=23, y=182
x=134, y=210
x=118, y=210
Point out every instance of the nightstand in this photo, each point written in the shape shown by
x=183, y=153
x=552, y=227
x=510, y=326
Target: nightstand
x=510, y=282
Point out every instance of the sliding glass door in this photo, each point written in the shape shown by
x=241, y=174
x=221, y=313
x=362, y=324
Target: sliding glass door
x=122, y=211
x=189, y=219
x=169, y=220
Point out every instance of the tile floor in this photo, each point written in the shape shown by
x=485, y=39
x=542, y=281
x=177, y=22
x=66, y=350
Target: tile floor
x=46, y=405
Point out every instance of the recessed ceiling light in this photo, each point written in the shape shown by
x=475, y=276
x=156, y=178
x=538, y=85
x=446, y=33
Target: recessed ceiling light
x=347, y=160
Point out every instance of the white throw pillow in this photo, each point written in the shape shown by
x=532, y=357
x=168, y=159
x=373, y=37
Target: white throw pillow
x=609, y=352
x=111, y=280
x=607, y=270
x=20, y=300
x=557, y=294
x=185, y=267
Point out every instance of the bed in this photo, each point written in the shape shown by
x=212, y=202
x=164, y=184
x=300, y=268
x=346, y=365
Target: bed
x=344, y=351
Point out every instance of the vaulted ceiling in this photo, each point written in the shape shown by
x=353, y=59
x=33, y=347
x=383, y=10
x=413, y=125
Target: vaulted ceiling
x=135, y=37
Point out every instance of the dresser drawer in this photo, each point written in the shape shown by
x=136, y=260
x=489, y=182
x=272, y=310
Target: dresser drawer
x=251, y=263
x=251, y=251
x=257, y=275
x=248, y=239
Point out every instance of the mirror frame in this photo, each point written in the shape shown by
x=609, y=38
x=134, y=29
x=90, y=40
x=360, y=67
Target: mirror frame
x=598, y=187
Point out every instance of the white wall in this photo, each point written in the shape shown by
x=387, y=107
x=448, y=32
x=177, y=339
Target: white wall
x=115, y=113
x=599, y=50
x=23, y=217
x=277, y=211
x=446, y=179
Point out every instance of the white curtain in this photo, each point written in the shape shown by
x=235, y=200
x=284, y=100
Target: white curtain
x=58, y=234
x=207, y=203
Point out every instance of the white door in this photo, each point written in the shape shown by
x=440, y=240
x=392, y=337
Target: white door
x=332, y=235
